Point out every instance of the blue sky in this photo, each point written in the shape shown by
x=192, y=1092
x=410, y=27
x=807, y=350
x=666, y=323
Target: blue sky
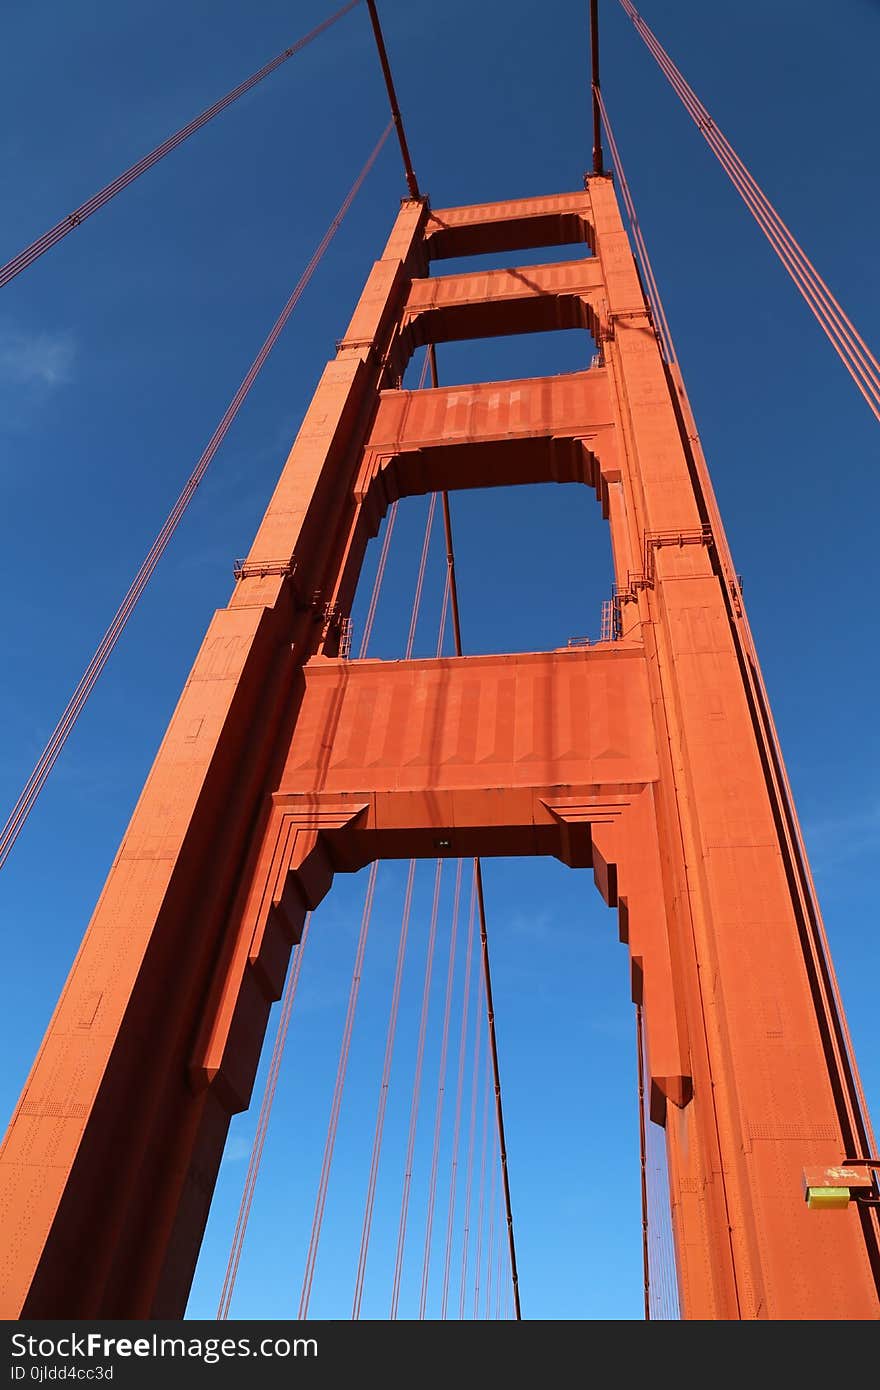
x=121, y=348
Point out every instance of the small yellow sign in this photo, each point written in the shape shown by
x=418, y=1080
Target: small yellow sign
x=827, y=1198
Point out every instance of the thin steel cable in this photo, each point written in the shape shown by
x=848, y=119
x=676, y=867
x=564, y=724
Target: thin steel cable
x=472, y=1133
x=259, y=1140
x=380, y=575
x=865, y=369
x=383, y=556
x=837, y=1016
x=378, y=1135
x=426, y=361
x=459, y=1094
x=416, y=1092
x=721, y=145
x=50, y=753
x=499, y=1261
x=336, y=1106
x=423, y=563
x=484, y=936
x=443, y=615
x=50, y=238
x=496, y=1078
x=482, y=1196
x=650, y=281
x=411, y=181
x=383, y=1093
x=490, y=1240
x=643, y=1157
x=447, y=530
x=287, y=1002
x=441, y=1089
x=835, y=323
x=664, y=1287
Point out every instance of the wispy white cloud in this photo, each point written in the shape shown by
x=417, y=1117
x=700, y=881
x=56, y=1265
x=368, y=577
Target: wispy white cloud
x=238, y=1147
x=834, y=840
x=36, y=359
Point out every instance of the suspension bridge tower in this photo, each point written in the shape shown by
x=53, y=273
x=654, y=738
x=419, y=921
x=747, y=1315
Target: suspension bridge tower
x=648, y=758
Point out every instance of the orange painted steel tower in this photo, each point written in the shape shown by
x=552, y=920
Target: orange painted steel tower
x=649, y=757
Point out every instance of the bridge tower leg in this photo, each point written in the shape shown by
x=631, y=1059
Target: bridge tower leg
x=649, y=758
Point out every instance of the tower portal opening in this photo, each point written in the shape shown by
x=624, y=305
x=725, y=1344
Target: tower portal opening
x=533, y=566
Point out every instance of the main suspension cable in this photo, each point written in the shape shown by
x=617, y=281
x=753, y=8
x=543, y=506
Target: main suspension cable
x=852, y=349
x=798, y=264
x=44, y=243
x=75, y=704
x=594, y=74
x=411, y=181
x=865, y=370
x=651, y=287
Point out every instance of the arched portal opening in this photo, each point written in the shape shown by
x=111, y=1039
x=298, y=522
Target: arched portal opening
x=566, y=1037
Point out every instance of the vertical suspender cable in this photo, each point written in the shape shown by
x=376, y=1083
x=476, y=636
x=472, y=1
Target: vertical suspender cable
x=380, y=575
x=441, y=1088
x=481, y=1205
x=444, y=608
x=472, y=1137
x=383, y=1093
x=256, y=1155
x=459, y=1091
x=98, y=200
x=490, y=1240
x=423, y=563
x=398, y=973
x=343, y=1059
x=496, y=1076
x=447, y=531
x=646, y=1267
x=383, y=557
x=481, y=904
x=414, y=1107
x=336, y=1105
x=287, y=1002
x=499, y=1286
x=50, y=753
